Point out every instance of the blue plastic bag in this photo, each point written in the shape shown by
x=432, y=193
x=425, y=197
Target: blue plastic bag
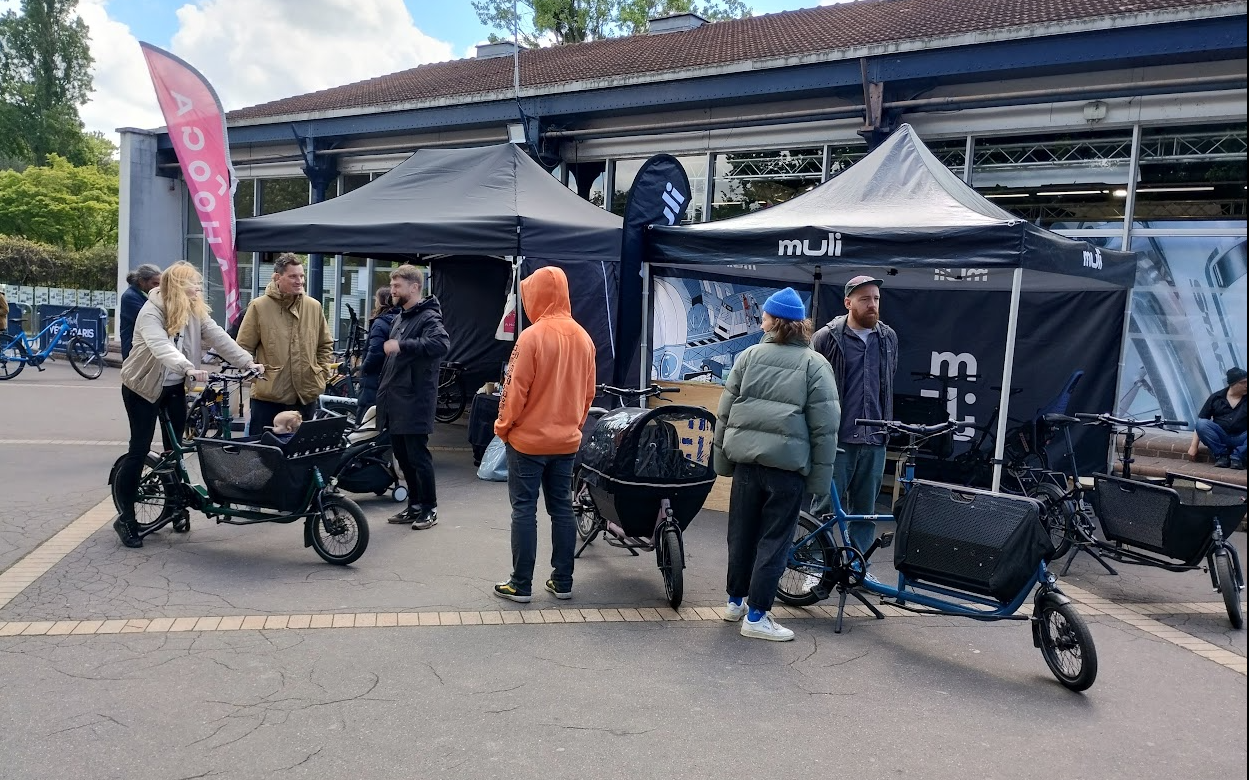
x=493, y=466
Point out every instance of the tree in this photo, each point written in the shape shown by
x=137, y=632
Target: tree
x=45, y=75
x=576, y=21
x=61, y=204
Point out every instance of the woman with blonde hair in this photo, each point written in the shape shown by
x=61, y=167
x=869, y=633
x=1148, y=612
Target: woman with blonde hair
x=171, y=332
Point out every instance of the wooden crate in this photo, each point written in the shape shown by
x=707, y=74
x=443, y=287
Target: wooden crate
x=708, y=397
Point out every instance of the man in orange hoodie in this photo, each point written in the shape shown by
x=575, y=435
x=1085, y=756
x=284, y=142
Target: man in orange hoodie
x=546, y=397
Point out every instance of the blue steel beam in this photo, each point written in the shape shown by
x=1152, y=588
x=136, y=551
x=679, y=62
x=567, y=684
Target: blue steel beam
x=1196, y=41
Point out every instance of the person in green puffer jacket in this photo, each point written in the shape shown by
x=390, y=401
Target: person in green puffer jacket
x=776, y=436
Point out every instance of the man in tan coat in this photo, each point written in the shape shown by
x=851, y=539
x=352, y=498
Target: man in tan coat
x=287, y=332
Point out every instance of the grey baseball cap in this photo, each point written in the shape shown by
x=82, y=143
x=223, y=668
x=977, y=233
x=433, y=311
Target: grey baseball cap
x=858, y=282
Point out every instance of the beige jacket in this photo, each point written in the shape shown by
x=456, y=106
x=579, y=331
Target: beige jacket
x=289, y=334
x=155, y=351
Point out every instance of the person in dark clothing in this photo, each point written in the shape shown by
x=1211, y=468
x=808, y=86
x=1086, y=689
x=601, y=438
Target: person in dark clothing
x=407, y=392
x=384, y=313
x=1221, y=423
x=142, y=281
x=863, y=352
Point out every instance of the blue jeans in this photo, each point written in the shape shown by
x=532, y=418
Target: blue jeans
x=553, y=474
x=1220, y=442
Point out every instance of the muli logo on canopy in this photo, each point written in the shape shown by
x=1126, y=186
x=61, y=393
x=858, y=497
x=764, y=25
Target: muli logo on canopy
x=1093, y=258
x=829, y=247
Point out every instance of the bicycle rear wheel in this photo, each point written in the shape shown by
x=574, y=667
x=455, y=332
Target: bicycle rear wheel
x=809, y=564
x=451, y=399
x=1056, y=513
x=84, y=358
x=11, y=361
x=154, y=503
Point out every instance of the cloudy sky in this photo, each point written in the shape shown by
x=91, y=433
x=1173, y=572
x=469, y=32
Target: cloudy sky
x=259, y=50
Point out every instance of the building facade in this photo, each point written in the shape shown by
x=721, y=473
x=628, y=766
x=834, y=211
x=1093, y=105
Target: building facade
x=1124, y=124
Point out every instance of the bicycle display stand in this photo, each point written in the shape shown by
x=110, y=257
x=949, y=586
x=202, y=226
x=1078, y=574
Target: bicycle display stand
x=92, y=326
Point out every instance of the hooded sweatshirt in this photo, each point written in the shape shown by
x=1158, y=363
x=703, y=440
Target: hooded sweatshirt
x=289, y=334
x=550, y=379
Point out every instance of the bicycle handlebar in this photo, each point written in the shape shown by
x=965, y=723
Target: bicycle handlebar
x=244, y=376
x=1127, y=422
x=901, y=427
x=635, y=392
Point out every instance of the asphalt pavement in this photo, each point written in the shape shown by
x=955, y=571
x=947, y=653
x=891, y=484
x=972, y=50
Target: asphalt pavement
x=201, y=655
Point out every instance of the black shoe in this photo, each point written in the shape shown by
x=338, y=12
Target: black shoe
x=1223, y=463
x=428, y=518
x=406, y=516
x=127, y=532
x=1239, y=465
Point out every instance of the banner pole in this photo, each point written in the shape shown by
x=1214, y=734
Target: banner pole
x=644, y=347
x=1012, y=328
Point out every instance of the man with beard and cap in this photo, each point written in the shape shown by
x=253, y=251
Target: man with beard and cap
x=863, y=352
x=287, y=332
x=546, y=396
x=407, y=392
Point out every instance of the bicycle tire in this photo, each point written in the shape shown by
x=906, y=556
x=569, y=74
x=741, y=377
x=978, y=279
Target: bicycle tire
x=452, y=400
x=85, y=359
x=339, y=532
x=1227, y=586
x=153, y=504
x=1067, y=646
x=672, y=565
x=12, y=361
x=1056, y=513
x=807, y=566
x=583, y=509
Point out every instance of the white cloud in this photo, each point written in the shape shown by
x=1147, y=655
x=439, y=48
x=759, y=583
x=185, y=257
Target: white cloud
x=253, y=52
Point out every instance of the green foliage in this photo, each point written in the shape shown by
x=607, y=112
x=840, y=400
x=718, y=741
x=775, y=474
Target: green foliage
x=61, y=204
x=29, y=263
x=45, y=75
x=575, y=21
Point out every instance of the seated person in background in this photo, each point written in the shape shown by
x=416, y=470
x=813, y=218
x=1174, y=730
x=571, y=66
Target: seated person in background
x=1221, y=423
x=285, y=424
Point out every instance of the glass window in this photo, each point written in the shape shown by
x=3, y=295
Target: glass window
x=1076, y=179
x=354, y=283
x=282, y=194
x=589, y=180
x=1192, y=174
x=354, y=181
x=245, y=199
x=753, y=180
x=625, y=171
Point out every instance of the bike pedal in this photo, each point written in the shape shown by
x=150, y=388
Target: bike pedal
x=820, y=592
x=886, y=540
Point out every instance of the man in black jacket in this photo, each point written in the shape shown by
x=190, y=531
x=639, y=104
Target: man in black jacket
x=142, y=281
x=863, y=352
x=408, y=391
x=1221, y=423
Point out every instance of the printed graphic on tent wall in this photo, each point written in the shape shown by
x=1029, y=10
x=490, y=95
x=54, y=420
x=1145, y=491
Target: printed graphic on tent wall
x=1188, y=322
x=700, y=327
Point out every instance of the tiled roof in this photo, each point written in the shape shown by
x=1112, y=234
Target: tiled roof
x=789, y=33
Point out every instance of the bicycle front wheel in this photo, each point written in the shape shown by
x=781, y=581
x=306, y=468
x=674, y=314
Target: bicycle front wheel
x=1067, y=646
x=11, y=361
x=810, y=563
x=451, y=401
x=84, y=358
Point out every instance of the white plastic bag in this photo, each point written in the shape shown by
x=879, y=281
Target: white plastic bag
x=493, y=466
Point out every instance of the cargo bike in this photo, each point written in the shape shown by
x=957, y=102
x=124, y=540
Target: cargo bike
x=640, y=477
x=250, y=482
x=1183, y=524
x=958, y=552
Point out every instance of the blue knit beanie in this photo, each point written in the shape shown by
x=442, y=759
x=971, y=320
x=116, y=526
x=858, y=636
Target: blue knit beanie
x=785, y=304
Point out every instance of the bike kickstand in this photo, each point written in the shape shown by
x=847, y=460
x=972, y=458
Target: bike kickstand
x=870, y=606
x=841, y=610
x=1092, y=554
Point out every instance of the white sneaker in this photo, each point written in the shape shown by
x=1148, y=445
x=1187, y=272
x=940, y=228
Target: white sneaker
x=735, y=612
x=766, y=628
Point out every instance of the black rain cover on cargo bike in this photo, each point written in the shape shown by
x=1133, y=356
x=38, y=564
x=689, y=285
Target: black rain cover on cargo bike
x=668, y=445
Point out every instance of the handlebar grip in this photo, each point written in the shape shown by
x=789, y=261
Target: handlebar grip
x=872, y=423
x=659, y=389
x=1086, y=416
x=1176, y=423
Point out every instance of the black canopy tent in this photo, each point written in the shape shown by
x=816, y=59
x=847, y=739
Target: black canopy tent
x=899, y=208
x=468, y=212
